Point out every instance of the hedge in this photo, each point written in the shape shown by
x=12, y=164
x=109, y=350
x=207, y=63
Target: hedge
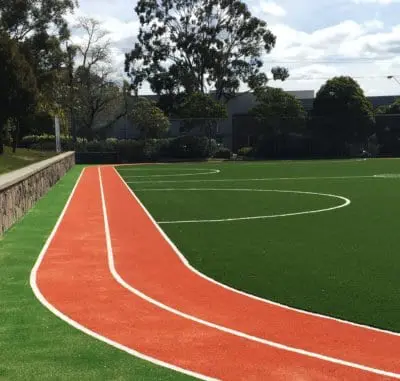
x=128, y=151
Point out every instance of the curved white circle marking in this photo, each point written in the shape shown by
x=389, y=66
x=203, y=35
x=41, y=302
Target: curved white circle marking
x=346, y=202
x=209, y=172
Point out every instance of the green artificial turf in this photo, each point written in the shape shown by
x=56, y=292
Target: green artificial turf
x=11, y=161
x=34, y=344
x=343, y=263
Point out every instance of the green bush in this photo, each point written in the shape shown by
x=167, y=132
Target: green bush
x=192, y=147
x=48, y=142
x=185, y=147
x=223, y=153
x=246, y=151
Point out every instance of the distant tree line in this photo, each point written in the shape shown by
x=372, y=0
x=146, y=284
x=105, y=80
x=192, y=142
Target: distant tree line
x=194, y=54
x=341, y=123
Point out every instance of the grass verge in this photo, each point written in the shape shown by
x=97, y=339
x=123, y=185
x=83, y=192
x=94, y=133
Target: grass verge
x=10, y=161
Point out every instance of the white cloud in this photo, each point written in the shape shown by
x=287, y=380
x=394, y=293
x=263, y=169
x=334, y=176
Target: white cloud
x=272, y=8
x=368, y=49
x=381, y=2
x=363, y=50
x=374, y=24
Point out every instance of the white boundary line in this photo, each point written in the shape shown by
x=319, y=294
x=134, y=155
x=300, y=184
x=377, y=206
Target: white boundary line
x=168, y=168
x=273, y=344
x=347, y=202
x=194, y=270
x=258, y=179
x=73, y=323
x=210, y=172
x=388, y=176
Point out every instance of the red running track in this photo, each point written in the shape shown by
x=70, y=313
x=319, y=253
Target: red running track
x=76, y=277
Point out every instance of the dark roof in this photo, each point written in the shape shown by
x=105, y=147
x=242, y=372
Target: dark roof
x=384, y=100
x=376, y=101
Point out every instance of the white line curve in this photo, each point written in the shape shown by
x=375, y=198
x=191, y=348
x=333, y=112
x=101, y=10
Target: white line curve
x=209, y=172
x=273, y=344
x=346, y=202
x=194, y=270
x=80, y=327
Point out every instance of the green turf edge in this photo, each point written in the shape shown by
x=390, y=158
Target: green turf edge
x=35, y=344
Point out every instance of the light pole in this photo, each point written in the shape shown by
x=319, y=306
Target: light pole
x=393, y=77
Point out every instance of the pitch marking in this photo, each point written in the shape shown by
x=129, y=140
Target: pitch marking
x=273, y=344
x=346, y=202
x=195, y=271
x=209, y=172
x=388, y=176
x=256, y=179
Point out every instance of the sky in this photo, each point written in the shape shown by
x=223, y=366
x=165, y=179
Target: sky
x=316, y=39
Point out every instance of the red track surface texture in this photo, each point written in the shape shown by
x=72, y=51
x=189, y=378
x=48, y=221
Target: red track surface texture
x=154, y=304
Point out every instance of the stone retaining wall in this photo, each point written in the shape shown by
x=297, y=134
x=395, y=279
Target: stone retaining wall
x=21, y=189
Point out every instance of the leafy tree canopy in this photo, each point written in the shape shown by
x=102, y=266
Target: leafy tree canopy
x=276, y=103
x=40, y=28
x=22, y=19
x=196, y=45
x=343, y=110
x=148, y=118
x=202, y=106
x=18, y=96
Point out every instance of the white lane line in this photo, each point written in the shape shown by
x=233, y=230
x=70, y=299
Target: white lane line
x=209, y=172
x=346, y=202
x=270, y=302
x=257, y=179
x=161, y=168
x=42, y=299
x=273, y=344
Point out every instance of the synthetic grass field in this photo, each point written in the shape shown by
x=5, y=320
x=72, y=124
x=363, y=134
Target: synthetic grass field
x=341, y=262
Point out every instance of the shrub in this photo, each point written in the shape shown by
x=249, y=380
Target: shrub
x=185, y=147
x=48, y=143
x=246, y=151
x=223, y=153
x=192, y=147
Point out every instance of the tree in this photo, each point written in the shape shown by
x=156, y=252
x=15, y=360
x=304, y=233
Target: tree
x=26, y=18
x=196, y=45
x=40, y=28
x=18, y=96
x=280, y=117
x=276, y=103
x=149, y=119
x=343, y=115
x=201, y=106
x=201, y=111
x=48, y=60
x=97, y=100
